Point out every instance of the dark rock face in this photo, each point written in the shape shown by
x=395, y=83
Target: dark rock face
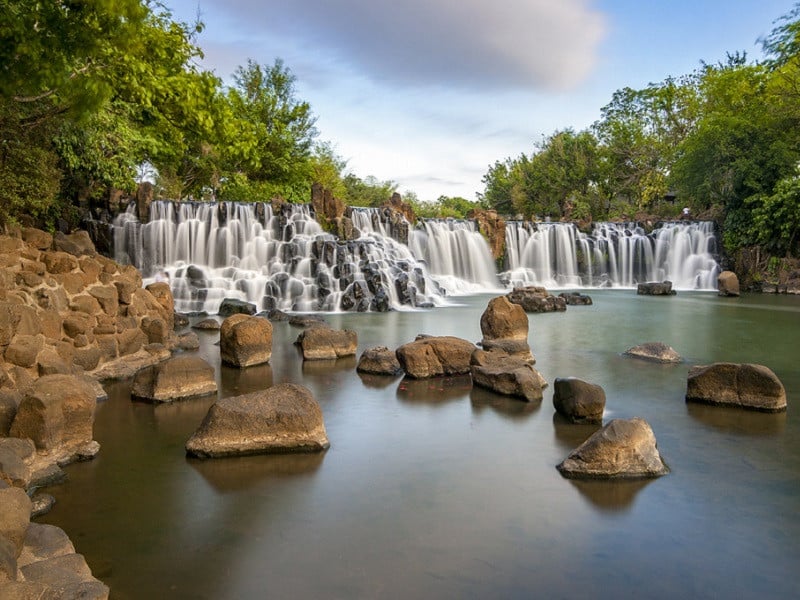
x=245, y=340
x=535, y=299
x=435, y=356
x=324, y=343
x=654, y=351
x=232, y=306
x=728, y=284
x=379, y=361
x=283, y=418
x=624, y=448
x=655, y=288
x=498, y=371
x=749, y=386
x=175, y=379
x=505, y=326
x=579, y=401
x=576, y=299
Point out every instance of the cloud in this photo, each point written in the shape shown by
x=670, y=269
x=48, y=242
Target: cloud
x=472, y=44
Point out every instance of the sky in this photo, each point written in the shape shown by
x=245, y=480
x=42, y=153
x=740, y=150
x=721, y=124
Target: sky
x=430, y=93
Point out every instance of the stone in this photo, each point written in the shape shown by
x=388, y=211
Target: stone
x=59, y=262
x=579, y=401
x=156, y=330
x=107, y=296
x=37, y=238
x=131, y=341
x=742, y=385
x=282, y=418
x=624, y=448
x=655, y=352
x=69, y=574
x=50, y=363
x=16, y=459
x=41, y=504
x=232, y=306
x=24, y=349
x=499, y=372
x=77, y=243
x=728, y=284
x=174, y=379
x=535, y=299
x=207, y=324
x=188, y=341
x=324, y=343
x=9, y=400
x=505, y=326
x=57, y=413
x=162, y=294
x=8, y=565
x=655, y=288
x=576, y=299
x=379, y=361
x=43, y=542
x=435, y=356
x=15, y=516
x=245, y=340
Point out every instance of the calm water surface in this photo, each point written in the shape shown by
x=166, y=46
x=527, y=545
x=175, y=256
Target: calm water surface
x=432, y=489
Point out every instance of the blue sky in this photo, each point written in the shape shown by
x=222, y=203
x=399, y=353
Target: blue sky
x=429, y=93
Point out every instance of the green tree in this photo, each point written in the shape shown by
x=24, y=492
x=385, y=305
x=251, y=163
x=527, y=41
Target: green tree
x=369, y=191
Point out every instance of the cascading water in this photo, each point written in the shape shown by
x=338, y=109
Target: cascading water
x=613, y=255
x=283, y=259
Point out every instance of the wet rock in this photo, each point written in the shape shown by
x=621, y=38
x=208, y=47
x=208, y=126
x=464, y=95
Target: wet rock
x=174, y=379
x=15, y=514
x=654, y=351
x=324, y=343
x=435, y=356
x=505, y=326
x=624, y=448
x=728, y=284
x=742, y=385
x=576, y=299
x=496, y=370
x=41, y=504
x=306, y=320
x=16, y=459
x=245, y=340
x=379, y=361
x=9, y=400
x=232, y=306
x=579, y=401
x=535, y=299
x=188, y=341
x=207, y=324
x=655, y=288
x=68, y=576
x=277, y=316
x=283, y=418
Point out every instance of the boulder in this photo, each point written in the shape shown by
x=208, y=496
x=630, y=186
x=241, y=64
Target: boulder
x=207, y=324
x=505, y=326
x=379, y=361
x=245, y=340
x=57, y=413
x=744, y=385
x=535, y=299
x=16, y=457
x=624, y=448
x=579, y=401
x=728, y=284
x=431, y=356
x=283, y=418
x=576, y=299
x=174, y=379
x=9, y=400
x=496, y=370
x=67, y=576
x=654, y=351
x=77, y=243
x=324, y=343
x=188, y=341
x=655, y=288
x=43, y=542
x=232, y=306
x=15, y=516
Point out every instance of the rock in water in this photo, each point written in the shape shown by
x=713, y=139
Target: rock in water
x=497, y=371
x=655, y=288
x=754, y=387
x=654, y=351
x=283, y=418
x=505, y=326
x=625, y=448
x=728, y=284
x=537, y=299
x=435, y=356
x=579, y=401
x=175, y=379
x=379, y=361
x=245, y=341
x=324, y=343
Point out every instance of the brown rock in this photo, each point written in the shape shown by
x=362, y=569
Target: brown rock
x=125, y=290
x=37, y=238
x=207, y=324
x=324, y=343
x=9, y=400
x=283, y=418
x=245, y=340
x=655, y=288
x=69, y=574
x=162, y=294
x=435, y=356
x=754, y=387
x=59, y=262
x=86, y=304
x=654, y=351
x=106, y=295
x=156, y=330
x=16, y=457
x=88, y=357
x=43, y=542
x=579, y=401
x=22, y=351
x=175, y=379
x=130, y=341
x=78, y=323
x=15, y=516
x=535, y=299
x=496, y=370
x=50, y=363
x=728, y=284
x=379, y=361
x=77, y=243
x=505, y=326
x=51, y=323
x=26, y=320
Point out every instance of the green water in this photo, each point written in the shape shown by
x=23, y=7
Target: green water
x=432, y=489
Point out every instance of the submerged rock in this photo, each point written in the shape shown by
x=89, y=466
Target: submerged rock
x=655, y=288
x=576, y=299
x=654, y=351
x=175, y=379
x=579, y=401
x=744, y=385
x=283, y=418
x=499, y=372
x=379, y=361
x=624, y=448
x=435, y=356
x=535, y=299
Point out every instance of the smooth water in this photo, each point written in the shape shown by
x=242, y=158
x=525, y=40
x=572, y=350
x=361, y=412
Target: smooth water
x=433, y=489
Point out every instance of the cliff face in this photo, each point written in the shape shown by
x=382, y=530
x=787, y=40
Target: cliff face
x=493, y=228
x=760, y=272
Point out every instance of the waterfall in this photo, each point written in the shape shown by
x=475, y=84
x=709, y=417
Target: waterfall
x=558, y=255
x=283, y=259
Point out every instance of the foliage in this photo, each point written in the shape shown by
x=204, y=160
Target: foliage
x=776, y=218
x=368, y=191
x=444, y=207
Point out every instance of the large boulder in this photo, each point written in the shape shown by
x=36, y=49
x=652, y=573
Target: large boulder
x=728, y=284
x=245, y=340
x=57, y=413
x=15, y=516
x=233, y=306
x=655, y=288
x=434, y=356
x=576, y=299
x=742, y=385
x=496, y=370
x=65, y=576
x=579, y=401
x=505, y=326
x=283, y=418
x=174, y=379
x=535, y=299
x=324, y=343
x=624, y=448
x=379, y=361
x=654, y=351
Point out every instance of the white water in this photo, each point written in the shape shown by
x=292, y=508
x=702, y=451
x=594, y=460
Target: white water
x=557, y=255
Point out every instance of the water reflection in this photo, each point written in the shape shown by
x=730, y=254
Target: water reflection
x=377, y=382
x=249, y=379
x=435, y=390
x=570, y=435
x=327, y=367
x=736, y=420
x=506, y=406
x=172, y=417
x=610, y=496
x=246, y=472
